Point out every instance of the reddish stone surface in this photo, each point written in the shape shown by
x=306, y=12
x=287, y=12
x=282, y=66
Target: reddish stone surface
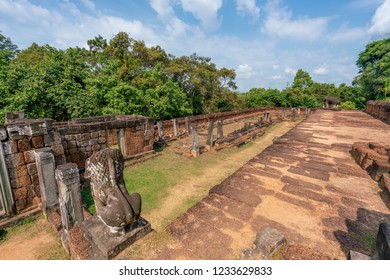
x=20, y=193
x=377, y=147
x=24, y=145
x=24, y=181
x=29, y=156
x=37, y=142
x=15, y=160
x=32, y=169
x=10, y=147
x=17, y=172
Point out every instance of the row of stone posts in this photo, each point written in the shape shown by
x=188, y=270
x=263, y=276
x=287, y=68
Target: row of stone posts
x=210, y=136
x=60, y=188
x=294, y=113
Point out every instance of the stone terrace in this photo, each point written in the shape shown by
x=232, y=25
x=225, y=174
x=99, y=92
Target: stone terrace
x=306, y=185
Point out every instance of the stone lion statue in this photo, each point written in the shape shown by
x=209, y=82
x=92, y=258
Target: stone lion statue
x=331, y=102
x=115, y=207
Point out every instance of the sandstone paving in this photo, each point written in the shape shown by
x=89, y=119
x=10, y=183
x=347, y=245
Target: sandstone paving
x=306, y=185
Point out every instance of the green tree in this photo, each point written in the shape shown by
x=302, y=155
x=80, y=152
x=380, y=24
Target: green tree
x=374, y=70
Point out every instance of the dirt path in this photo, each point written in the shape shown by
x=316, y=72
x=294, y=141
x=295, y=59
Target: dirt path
x=31, y=242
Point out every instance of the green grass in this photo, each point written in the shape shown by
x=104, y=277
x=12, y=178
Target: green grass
x=153, y=178
x=369, y=240
x=86, y=196
x=3, y=235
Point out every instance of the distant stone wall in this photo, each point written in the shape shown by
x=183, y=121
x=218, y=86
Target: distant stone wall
x=379, y=110
x=202, y=120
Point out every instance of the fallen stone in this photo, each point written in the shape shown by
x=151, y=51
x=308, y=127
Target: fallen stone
x=378, y=168
x=353, y=255
x=267, y=243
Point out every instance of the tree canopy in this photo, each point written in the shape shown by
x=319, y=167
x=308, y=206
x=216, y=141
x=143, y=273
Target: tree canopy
x=124, y=76
x=374, y=70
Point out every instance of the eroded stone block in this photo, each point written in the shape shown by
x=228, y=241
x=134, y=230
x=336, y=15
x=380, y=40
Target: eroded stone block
x=268, y=242
x=383, y=242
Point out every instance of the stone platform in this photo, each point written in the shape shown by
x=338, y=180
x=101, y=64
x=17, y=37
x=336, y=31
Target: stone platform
x=92, y=240
x=306, y=185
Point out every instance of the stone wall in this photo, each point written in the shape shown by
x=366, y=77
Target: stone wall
x=379, y=110
x=69, y=142
x=24, y=137
x=82, y=137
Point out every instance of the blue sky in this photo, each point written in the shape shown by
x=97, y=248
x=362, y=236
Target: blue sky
x=265, y=41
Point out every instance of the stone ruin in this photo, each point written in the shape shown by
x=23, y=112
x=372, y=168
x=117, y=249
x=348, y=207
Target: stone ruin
x=42, y=163
x=375, y=159
x=32, y=149
x=114, y=206
x=118, y=222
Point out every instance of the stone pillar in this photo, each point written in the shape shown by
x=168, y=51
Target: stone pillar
x=195, y=140
x=220, y=129
x=299, y=111
x=121, y=141
x=68, y=182
x=175, y=127
x=188, y=128
x=160, y=128
x=293, y=114
x=47, y=183
x=210, y=129
x=6, y=198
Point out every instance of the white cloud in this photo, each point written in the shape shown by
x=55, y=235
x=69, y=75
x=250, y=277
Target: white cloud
x=290, y=71
x=322, y=70
x=204, y=10
x=37, y=24
x=346, y=34
x=381, y=20
x=279, y=21
x=173, y=25
x=71, y=7
x=276, y=77
x=247, y=8
x=275, y=67
x=89, y=4
x=244, y=71
x=23, y=10
x=163, y=8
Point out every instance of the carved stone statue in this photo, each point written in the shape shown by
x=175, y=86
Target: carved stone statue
x=331, y=102
x=115, y=207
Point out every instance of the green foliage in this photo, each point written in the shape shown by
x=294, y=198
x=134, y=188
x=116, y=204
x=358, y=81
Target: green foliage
x=348, y=105
x=122, y=76
x=374, y=70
